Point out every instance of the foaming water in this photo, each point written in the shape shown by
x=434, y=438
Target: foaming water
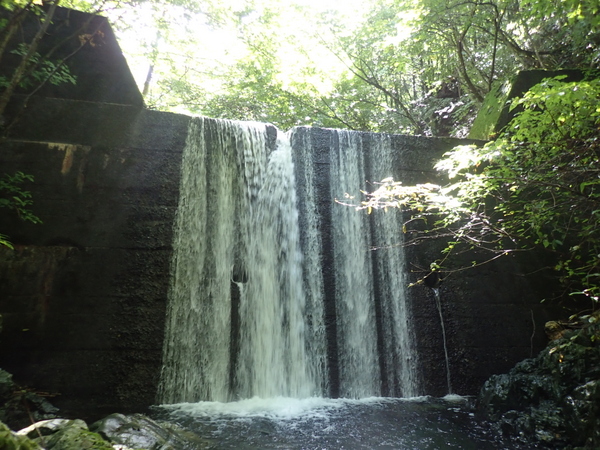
x=320, y=423
x=277, y=408
x=455, y=398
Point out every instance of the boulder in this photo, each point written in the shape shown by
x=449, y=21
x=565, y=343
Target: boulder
x=552, y=399
x=74, y=434
x=50, y=426
x=138, y=431
x=63, y=434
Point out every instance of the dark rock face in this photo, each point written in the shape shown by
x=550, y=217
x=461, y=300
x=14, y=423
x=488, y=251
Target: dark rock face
x=553, y=399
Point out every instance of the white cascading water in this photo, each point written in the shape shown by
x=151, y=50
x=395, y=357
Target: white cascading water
x=358, y=358
x=312, y=263
x=273, y=359
x=400, y=363
x=246, y=307
x=368, y=256
x=236, y=229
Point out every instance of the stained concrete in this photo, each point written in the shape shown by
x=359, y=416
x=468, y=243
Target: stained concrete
x=84, y=293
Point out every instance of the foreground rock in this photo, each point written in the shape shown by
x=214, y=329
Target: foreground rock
x=115, y=432
x=553, y=399
x=138, y=431
x=10, y=440
x=64, y=434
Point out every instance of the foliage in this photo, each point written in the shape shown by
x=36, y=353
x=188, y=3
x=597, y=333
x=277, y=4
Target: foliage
x=45, y=71
x=407, y=66
x=14, y=198
x=536, y=187
x=27, y=63
x=9, y=440
x=398, y=66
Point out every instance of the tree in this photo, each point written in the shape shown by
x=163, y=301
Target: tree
x=536, y=187
x=29, y=57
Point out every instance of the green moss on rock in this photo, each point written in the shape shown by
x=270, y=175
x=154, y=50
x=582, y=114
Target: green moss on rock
x=553, y=399
x=10, y=441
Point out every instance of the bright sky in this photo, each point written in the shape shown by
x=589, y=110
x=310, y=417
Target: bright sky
x=200, y=48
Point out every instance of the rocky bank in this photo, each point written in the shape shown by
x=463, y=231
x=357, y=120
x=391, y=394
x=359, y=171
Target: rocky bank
x=552, y=400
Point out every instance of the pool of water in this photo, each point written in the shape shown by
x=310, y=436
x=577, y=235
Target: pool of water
x=332, y=424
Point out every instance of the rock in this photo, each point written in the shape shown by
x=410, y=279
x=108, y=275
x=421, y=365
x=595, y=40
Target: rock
x=6, y=385
x=64, y=434
x=582, y=409
x=48, y=427
x=138, y=431
x=11, y=441
x=7, y=388
x=554, y=330
x=552, y=400
x=75, y=435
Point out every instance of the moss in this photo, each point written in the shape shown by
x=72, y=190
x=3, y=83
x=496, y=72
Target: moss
x=553, y=398
x=488, y=116
x=10, y=441
x=76, y=438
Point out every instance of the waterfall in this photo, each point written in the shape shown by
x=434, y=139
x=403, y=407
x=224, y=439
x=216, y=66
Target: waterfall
x=438, y=303
x=400, y=362
x=312, y=246
x=373, y=350
x=275, y=288
x=356, y=330
x=235, y=326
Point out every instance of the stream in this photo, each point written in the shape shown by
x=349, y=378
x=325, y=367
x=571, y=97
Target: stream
x=418, y=423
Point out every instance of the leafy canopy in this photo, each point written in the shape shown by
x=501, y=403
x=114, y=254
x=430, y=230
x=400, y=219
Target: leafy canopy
x=536, y=187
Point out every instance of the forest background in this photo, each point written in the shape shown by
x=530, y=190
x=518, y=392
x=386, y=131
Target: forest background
x=398, y=66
